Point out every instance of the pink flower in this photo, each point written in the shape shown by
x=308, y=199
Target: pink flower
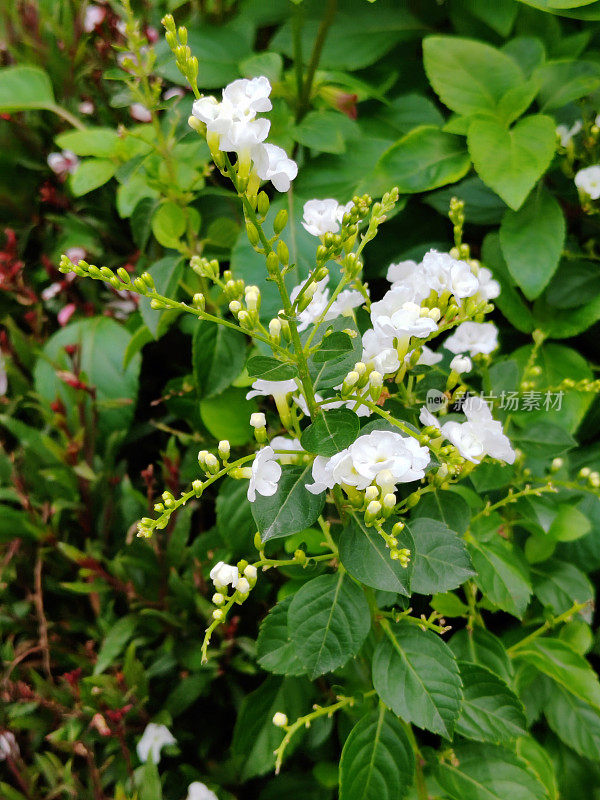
x=94, y=16
x=63, y=163
x=65, y=314
x=140, y=113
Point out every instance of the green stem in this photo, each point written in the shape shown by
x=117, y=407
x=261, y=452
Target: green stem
x=66, y=115
x=315, y=58
x=564, y=617
x=297, y=21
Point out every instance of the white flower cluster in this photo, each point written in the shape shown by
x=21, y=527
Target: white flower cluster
x=380, y=458
x=234, y=126
x=479, y=436
x=344, y=303
x=224, y=575
x=587, y=180
x=324, y=216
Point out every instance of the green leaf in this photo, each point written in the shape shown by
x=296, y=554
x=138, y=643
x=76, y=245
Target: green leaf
x=448, y=507
x=468, y=76
x=331, y=432
x=569, y=524
x=512, y=161
x=270, y=369
x=218, y=355
x=441, y=559
x=331, y=373
x=510, y=301
x=559, y=585
x=15, y=524
x=23, y=88
x=255, y=737
x=482, y=647
x=235, y=522
x=227, y=416
x=364, y=554
x=93, y=141
x=326, y=131
x=168, y=224
x=91, y=174
x=377, y=761
x=539, y=762
x=114, y=642
x=424, y=159
x=502, y=575
x=482, y=205
x=487, y=772
x=575, y=722
x=149, y=782
x=416, y=675
x=333, y=345
x=328, y=621
x=291, y=509
x=562, y=82
x=141, y=221
x=102, y=344
x=532, y=241
x=275, y=650
x=491, y=712
x=166, y=274
x=556, y=659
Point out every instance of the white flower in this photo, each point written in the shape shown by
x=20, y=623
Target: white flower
x=461, y=364
x=223, y=575
x=8, y=745
x=317, y=305
x=199, y=791
x=588, y=181
x=63, y=163
x=86, y=107
x=481, y=435
x=344, y=303
x=154, y=738
x=427, y=418
x=266, y=472
x=488, y=287
x=258, y=420
x=140, y=113
x=386, y=450
x=276, y=389
x=243, y=135
x=94, y=16
x=427, y=358
x=408, y=275
x=565, y=134
x=473, y=338
x=341, y=210
x=444, y=273
x=384, y=457
x=249, y=96
x=396, y=316
x=300, y=401
x=272, y=164
x=286, y=443
x=75, y=254
x=321, y=216
x=379, y=352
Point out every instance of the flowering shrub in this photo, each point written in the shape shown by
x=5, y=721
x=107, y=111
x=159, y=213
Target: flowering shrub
x=302, y=450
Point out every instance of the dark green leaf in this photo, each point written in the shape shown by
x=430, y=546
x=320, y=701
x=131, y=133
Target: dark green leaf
x=441, y=558
x=331, y=432
x=291, y=509
x=491, y=712
x=269, y=369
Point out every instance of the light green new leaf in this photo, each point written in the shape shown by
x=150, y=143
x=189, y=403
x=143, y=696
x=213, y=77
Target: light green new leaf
x=424, y=159
x=227, y=416
x=94, y=141
x=23, y=88
x=269, y=369
x=488, y=772
x=328, y=621
x=416, y=675
x=168, y=224
x=441, y=559
x=512, y=161
x=502, y=575
x=291, y=509
x=562, y=82
x=91, y=174
x=469, y=76
x=532, y=240
x=365, y=555
x=491, y=711
x=377, y=761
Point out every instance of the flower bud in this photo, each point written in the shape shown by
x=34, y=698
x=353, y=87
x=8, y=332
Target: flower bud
x=371, y=493
x=375, y=385
x=280, y=720
x=272, y=264
x=280, y=221
x=283, y=252
x=243, y=586
x=224, y=449
x=250, y=572
x=350, y=380
x=461, y=363
x=557, y=463
x=389, y=500
x=262, y=204
x=245, y=320
x=235, y=307
x=218, y=614
x=275, y=330
x=218, y=598
x=252, y=232
x=373, y=511
x=258, y=420
x=199, y=301
x=197, y=487
x=212, y=463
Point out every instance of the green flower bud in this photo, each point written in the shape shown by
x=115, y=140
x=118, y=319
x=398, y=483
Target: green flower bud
x=283, y=252
x=280, y=221
x=262, y=204
x=252, y=232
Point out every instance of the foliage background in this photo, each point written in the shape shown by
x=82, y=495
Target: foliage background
x=101, y=632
